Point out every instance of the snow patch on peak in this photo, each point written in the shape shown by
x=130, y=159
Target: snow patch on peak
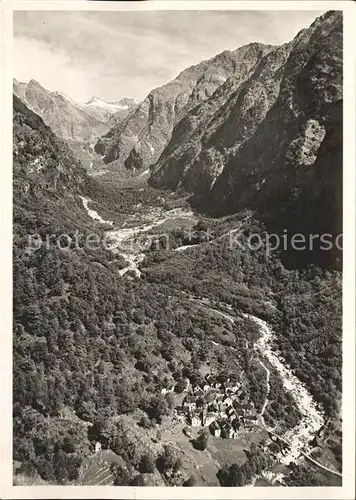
x=93, y=100
x=109, y=106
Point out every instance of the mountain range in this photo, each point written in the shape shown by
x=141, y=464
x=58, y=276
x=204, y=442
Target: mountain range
x=139, y=140
x=258, y=127
x=69, y=120
x=111, y=342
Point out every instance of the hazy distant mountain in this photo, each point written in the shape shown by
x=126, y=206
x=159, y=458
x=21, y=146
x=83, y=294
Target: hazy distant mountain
x=106, y=111
x=68, y=119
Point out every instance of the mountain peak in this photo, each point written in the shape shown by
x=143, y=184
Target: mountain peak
x=123, y=102
x=94, y=100
x=34, y=83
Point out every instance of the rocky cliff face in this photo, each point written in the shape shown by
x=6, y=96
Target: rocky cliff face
x=43, y=165
x=65, y=117
x=140, y=139
x=275, y=145
x=69, y=120
x=200, y=143
x=288, y=144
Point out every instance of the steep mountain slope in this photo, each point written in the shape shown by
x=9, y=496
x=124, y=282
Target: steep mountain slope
x=41, y=160
x=275, y=145
x=70, y=120
x=140, y=139
x=291, y=168
x=65, y=117
x=197, y=151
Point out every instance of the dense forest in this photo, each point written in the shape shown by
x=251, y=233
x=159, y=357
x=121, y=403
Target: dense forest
x=304, y=306
x=90, y=345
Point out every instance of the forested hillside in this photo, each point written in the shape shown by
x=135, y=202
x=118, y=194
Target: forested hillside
x=108, y=342
x=88, y=344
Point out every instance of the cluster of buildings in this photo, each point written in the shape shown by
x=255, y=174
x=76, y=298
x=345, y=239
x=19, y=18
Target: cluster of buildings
x=222, y=407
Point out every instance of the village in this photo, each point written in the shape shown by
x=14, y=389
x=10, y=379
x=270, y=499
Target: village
x=223, y=408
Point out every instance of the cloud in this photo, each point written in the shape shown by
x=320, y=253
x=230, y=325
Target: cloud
x=52, y=68
x=115, y=54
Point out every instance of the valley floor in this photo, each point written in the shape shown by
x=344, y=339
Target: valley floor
x=221, y=452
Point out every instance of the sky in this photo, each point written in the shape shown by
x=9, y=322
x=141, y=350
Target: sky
x=126, y=54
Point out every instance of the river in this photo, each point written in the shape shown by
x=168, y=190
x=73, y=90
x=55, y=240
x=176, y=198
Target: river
x=128, y=241
x=124, y=242
x=299, y=437
x=312, y=419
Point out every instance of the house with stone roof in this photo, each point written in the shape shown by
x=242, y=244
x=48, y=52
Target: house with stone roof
x=247, y=408
x=210, y=379
x=197, y=390
x=215, y=429
x=241, y=395
x=250, y=421
x=238, y=425
x=238, y=407
x=170, y=388
x=208, y=418
x=227, y=401
x=230, y=411
x=213, y=407
x=190, y=403
x=194, y=419
x=210, y=397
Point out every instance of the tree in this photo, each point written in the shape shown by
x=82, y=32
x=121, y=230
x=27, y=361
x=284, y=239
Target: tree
x=167, y=459
x=158, y=408
x=122, y=476
x=191, y=481
x=147, y=463
x=232, y=476
x=86, y=411
x=202, y=441
x=103, y=430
